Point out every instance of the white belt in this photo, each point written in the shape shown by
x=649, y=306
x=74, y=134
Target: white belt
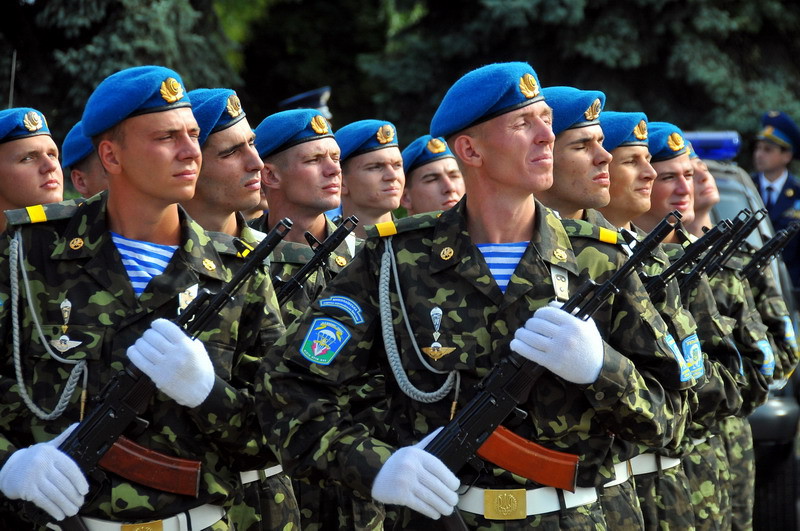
x=537, y=501
x=250, y=476
x=648, y=463
x=200, y=517
x=622, y=472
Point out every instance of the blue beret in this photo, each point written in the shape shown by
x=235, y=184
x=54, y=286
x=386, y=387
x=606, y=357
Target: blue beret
x=780, y=129
x=485, y=93
x=364, y=136
x=215, y=110
x=131, y=92
x=76, y=147
x=285, y=129
x=573, y=108
x=423, y=150
x=313, y=99
x=623, y=129
x=666, y=141
x=21, y=122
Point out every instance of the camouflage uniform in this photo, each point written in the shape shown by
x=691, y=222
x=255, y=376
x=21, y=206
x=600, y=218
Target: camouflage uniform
x=719, y=398
x=323, y=503
x=72, y=256
x=267, y=502
x=330, y=419
x=289, y=257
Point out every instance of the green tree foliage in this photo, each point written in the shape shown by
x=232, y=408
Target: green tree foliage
x=65, y=48
x=702, y=64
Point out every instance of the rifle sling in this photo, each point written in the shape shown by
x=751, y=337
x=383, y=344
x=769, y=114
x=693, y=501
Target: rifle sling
x=152, y=469
x=528, y=459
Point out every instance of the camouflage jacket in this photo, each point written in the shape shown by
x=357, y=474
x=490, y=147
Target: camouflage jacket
x=774, y=314
x=289, y=257
x=341, y=411
x=71, y=256
x=734, y=298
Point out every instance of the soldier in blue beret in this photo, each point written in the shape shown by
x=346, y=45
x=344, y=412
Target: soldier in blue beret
x=302, y=178
x=230, y=181
x=400, y=338
x=580, y=163
x=372, y=172
x=433, y=180
x=777, y=144
x=113, y=272
x=30, y=173
x=79, y=157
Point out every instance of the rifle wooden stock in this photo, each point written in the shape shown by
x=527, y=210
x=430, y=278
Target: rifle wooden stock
x=525, y=458
x=509, y=383
x=153, y=469
x=127, y=395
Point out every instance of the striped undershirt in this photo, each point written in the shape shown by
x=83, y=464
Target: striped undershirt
x=502, y=259
x=142, y=260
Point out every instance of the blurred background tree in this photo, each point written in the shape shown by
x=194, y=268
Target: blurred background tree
x=703, y=64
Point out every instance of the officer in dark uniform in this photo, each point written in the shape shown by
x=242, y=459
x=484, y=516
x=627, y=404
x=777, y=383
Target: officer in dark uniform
x=776, y=145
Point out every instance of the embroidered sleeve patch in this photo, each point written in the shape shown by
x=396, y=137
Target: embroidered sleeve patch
x=693, y=355
x=768, y=366
x=788, y=332
x=346, y=304
x=686, y=374
x=324, y=340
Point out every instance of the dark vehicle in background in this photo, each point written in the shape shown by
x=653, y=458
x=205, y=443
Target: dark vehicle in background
x=775, y=424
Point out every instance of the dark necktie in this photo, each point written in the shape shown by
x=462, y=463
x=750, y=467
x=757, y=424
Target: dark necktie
x=770, y=199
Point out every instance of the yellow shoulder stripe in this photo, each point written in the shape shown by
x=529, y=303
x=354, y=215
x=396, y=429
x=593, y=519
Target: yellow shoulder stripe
x=386, y=228
x=36, y=213
x=607, y=235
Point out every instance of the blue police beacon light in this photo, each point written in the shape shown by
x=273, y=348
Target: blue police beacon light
x=715, y=145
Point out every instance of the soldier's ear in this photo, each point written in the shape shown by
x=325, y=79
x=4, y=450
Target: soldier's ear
x=79, y=181
x=270, y=176
x=107, y=152
x=467, y=148
x=405, y=199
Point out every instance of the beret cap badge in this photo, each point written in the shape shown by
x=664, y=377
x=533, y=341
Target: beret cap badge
x=675, y=142
x=385, y=134
x=528, y=86
x=593, y=111
x=319, y=124
x=32, y=121
x=171, y=90
x=233, y=106
x=640, y=131
x=436, y=146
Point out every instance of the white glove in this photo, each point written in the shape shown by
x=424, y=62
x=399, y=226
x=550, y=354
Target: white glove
x=569, y=347
x=414, y=478
x=177, y=364
x=46, y=476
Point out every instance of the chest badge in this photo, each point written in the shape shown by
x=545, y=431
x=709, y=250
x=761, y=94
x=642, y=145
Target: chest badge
x=64, y=343
x=436, y=350
x=186, y=297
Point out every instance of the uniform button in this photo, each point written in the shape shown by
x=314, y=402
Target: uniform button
x=599, y=395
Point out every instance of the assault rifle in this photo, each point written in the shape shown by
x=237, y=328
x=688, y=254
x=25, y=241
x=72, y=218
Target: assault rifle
x=656, y=284
x=475, y=428
x=322, y=250
x=769, y=250
x=747, y=226
x=128, y=394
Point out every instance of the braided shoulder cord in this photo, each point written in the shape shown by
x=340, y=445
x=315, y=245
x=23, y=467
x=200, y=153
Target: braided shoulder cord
x=16, y=260
x=392, y=352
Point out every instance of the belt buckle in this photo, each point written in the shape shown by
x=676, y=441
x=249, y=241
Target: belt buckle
x=155, y=525
x=505, y=504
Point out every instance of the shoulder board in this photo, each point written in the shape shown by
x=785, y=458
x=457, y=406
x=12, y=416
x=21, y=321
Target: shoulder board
x=40, y=213
x=584, y=229
x=397, y=226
